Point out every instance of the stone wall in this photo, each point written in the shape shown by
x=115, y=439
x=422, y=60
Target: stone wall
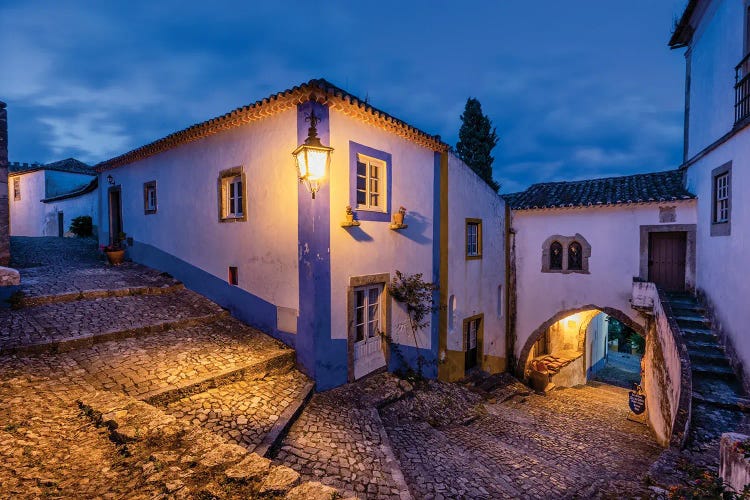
x=4, y=212
x=667, y=380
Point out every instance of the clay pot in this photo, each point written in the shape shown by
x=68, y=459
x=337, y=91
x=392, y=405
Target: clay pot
x=115, y=257
x=398, y=219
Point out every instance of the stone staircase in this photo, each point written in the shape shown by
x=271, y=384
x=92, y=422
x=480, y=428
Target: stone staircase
x=719, y=403
x=145, y=350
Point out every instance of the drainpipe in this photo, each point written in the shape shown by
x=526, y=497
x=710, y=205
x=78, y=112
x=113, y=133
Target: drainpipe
x=510, y=290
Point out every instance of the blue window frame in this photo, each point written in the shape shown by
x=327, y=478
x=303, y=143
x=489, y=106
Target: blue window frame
x=370, y=181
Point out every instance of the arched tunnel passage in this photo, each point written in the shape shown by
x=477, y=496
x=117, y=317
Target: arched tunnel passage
x=587, y=343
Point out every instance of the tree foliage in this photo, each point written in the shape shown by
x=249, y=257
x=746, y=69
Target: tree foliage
x=82, y=226
x=476, y=139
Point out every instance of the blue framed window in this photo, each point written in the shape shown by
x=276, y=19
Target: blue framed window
x=370, y=177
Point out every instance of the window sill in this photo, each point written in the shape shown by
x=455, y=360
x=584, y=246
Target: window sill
x=473, y=257
x=233, y=219
x=566, y=271
x=721, y=228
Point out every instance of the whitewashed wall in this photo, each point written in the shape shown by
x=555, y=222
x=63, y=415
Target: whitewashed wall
x=715, y=50
x=87, y=204
x=27, y=214
x=722, y=265
x=477, y=285
x=614, y=236
x=186, y=224
x=596, y=342
x=373, y=248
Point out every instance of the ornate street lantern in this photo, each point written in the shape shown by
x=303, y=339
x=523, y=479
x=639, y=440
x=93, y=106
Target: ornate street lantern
x=312, y=157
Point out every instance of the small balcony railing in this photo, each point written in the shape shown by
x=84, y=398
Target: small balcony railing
x=742, y=90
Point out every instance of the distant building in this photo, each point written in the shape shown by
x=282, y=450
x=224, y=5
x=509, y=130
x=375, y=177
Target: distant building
x=220, y=206
x=716, y=38
x=44, y=199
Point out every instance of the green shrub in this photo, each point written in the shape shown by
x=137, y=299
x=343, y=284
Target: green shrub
x=82, y=226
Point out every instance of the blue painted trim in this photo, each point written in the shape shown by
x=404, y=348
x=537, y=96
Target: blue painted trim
x=369, y=215
x=596, y=367
x=322, y=358
x=242, y=304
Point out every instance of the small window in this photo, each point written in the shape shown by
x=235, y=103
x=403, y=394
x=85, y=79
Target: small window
x=721, y=198
x=232, y=201
x=556, y=255
x=500, y=301
x=371, y=184
x=367, y=312
x=149, y=197
x=451, y=312
x=575, y=256
x=473, y=238
x=233, y=276
x=16, y=189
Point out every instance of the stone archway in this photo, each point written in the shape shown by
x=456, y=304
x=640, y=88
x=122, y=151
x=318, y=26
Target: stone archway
x=537, y=334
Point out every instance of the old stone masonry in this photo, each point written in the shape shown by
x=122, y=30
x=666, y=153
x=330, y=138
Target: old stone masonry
x=119, y=382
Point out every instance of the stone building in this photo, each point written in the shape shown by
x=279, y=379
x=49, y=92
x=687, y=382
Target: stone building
x=715, y=36
x=4, y=209
x=306, y=253
x=44, y=199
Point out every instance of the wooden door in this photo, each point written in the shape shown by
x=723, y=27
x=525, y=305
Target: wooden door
x=60, y=225
x=471, y=331
x=115, y=214
x=666, y=260
x=368, y=320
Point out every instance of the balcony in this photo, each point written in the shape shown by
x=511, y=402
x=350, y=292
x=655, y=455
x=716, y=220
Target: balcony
x=742, y=90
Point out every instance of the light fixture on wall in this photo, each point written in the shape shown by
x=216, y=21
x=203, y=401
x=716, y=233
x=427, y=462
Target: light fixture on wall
x=111, y=180
x=312, y=157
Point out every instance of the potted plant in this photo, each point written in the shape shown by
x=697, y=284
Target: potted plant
x=349, y=215
x=115, y=252
x=398, y=217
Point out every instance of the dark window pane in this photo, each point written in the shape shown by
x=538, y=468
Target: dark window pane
x=361, y=169
x=575, y=257
x=555, y=255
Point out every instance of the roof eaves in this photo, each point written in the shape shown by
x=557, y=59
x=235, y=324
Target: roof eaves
x=73, y=194
x=683, y=31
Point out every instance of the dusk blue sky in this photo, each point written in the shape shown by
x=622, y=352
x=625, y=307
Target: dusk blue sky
x=577, y=89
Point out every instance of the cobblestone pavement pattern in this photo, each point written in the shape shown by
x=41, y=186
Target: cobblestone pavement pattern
x=51, y=266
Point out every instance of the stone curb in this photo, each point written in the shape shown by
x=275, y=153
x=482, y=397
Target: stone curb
x=276, y=434
x=71, y=343
x=98, y=294
x=390, y=458
x=281, y=361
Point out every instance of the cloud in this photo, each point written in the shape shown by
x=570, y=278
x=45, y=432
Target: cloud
x=88, y=134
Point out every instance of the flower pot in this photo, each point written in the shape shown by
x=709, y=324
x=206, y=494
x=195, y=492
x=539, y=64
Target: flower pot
x=398, y=219
x=115, y=257
x=349, y=219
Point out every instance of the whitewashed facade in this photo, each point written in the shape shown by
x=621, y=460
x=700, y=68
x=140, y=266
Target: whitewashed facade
x=716, y=38
x=43, y=201
x=300, y=271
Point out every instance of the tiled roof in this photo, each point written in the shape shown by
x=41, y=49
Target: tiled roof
x=640, y=188
x=682, y=30
x=317, y=90
x=68, y=165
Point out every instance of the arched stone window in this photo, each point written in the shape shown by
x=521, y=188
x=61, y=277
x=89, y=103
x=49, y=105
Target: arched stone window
x=575, y=256
x=556, y=256
x=566, y=254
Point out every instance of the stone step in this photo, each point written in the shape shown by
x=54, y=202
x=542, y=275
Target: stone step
x=37, y=300
x=695, y=323
x=688, y=310
x=715, y=369
x=728, y=401
x=717, y=388
x=708, y=353
x=174, y=364
x=700, y=336
x=64, y=326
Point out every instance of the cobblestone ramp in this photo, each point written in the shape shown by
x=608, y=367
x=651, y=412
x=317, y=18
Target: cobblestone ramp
x=572, y=443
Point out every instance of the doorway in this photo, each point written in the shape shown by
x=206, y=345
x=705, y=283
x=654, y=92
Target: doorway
x=60, y=225
x=369, y=353
x=472, y=333
x=666, y=260
x=115, y=214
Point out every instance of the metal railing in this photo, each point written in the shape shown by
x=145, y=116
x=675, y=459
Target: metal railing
x=742, y=90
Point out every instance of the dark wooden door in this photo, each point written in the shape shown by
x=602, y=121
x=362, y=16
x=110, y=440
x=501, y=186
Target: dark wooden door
x=471, y=331
x=60, y=225
x=115, y=214
x=666, y=260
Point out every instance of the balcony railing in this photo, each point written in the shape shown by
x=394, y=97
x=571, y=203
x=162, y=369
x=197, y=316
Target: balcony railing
x=742, y=90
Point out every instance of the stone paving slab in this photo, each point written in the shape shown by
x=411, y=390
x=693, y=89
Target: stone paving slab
x=61, y=322
x=243, y=412
x=64, y=266
x=144, y=367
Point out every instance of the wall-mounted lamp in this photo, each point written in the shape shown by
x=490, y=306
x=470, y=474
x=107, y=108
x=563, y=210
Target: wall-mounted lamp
x=111, y=180
x=312, y=157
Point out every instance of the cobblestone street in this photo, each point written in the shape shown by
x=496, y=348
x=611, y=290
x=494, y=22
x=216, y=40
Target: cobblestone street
x=135, y=333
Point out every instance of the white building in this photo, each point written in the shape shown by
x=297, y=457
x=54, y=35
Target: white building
x=716, y=36
x=220, y=206
x=576, y=248
x=44, y=199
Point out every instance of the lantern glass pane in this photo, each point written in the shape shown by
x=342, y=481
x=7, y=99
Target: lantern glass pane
x=316, y=167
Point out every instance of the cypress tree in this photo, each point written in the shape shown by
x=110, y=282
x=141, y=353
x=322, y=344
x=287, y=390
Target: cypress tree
x=476, y=138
